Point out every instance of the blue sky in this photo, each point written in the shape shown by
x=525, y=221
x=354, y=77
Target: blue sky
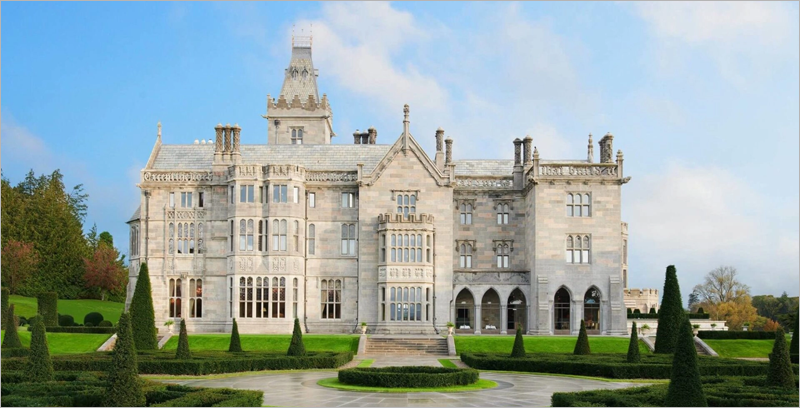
x=702, y=99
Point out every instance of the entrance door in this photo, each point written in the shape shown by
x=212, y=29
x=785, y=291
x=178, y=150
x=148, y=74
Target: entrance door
x=561, y=312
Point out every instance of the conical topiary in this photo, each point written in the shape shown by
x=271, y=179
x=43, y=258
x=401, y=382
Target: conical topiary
x=236, y=344
x=633, y=347
x=793, y=346
x=296, y=347
x=582, y=346
x=183, y=352
x=780, y=366
x=671, y=314
x=4, y=300
x=519, y=345
x=124, y=385
x=685, y=389
x=39, y=367
x=11, y=339
x=143, y=320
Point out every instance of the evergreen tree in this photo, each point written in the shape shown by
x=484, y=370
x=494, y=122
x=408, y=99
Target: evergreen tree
x=124, y=385
x=780, y=367
x=296, y=347
x=582, y=346
x=39, y=367
x=633, y=347
x=236, y=344
x=11, y=339
x=671, y=314
x=519, y=345
x=143, y=318
x=183, y=352
x=793, y=347
x=685, y=389
x=5, y=294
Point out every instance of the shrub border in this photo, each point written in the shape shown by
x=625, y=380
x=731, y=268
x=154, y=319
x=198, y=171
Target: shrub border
x=408, y=377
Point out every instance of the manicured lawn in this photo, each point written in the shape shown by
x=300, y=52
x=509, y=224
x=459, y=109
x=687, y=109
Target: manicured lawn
x=27, y=307
x=743, y=348
x=66, y=343
x=269, y=342
x=542, y=344
x=365, y=363
x=334, y=383
x=447, y=363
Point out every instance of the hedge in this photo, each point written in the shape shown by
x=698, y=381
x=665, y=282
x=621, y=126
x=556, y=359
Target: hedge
x=16, y=352
x=735, y=335
x=93, y=317
x=702, y=316
x=408, y=377
x=66, y=320
x=202, y=363
x=719, y=391
x=4, y=299
x=80, y=329
x=48, y=308
x=76, y=389
x=612, y=365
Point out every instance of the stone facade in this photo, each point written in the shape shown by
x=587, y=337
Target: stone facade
x=378, y=233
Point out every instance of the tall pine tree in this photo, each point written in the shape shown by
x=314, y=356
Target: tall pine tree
x=143, y=318
x=671, y=314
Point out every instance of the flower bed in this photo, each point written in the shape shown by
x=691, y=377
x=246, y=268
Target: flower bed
x=408, y=377
x=201, y=363
x=85, y=389
x=611, y=366
x=719, y=392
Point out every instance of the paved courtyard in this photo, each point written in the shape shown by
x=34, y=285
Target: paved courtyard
x=300, y=389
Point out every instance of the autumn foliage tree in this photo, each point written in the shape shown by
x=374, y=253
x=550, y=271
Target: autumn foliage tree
x=104, y=272
x=19, y=261
x=724, y=297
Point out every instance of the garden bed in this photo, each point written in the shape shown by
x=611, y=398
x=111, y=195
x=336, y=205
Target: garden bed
x=408, y=377
x=201, y=363
x=719, y=392
x=611, y=366
x=85, y=389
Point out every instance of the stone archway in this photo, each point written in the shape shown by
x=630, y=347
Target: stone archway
x=490, y=312
x=517, y=311
x=591, y=310
x=561, y=312
x=465, y=311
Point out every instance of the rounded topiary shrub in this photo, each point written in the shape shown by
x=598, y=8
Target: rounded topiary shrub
x=92, y=318
x=105, y=323
x=66, y=320
x=409, y=377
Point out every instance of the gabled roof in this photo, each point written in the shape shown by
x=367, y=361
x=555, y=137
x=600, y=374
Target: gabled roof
x=136, y=214
x=312, y=157
x=300, y=78
x=484, y=167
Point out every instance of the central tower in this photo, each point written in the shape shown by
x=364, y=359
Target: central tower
x=299, y=116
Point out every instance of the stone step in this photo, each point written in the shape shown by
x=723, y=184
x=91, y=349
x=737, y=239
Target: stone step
x=406, y=346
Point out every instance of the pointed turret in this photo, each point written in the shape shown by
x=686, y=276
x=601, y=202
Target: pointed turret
x=300, y=79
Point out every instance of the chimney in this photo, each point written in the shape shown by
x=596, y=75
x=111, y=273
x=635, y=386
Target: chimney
x=373, y=135
x=439, y=149
x=590, y=153
x=517, y=164
x=448, y=151
x=236, y=133
x=218, y=144
x=356, y=137
x=226, y=150
x=607, y=149
x=526, y=148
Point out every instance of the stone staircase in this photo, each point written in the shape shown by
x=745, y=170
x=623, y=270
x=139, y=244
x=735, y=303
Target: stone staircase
x=409, y=346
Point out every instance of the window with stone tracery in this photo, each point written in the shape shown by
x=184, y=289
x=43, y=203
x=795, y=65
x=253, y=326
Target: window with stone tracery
x=406, y=204
x=175, y=298
x=279, y=235
x=246, y=232
x=196, y=298
x=331, y=297
x=502, y=213
x=407, y=248
x=466, y=214
x=502, y=255
x=578, y=205
x=465, y=257
x=578, y=248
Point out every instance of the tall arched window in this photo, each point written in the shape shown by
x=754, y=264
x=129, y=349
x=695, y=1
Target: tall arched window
x=175, y=296
x=200, y=238
x=191, y=238
x=196, y=298
x=171, y=239
x=180, y=238
x=296, y=232
x=294, y=298
x=246, y=297
x=331, y=296
x=465, y=258
x=502, y=256
x=591, y=309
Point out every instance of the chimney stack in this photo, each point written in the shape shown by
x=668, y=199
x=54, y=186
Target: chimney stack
x=448, y=151
x=606, y=148
x=218, y=144
x=590, y=153
x=439, y=149
x=517, y=153
x=526, y=147
x=236, y=134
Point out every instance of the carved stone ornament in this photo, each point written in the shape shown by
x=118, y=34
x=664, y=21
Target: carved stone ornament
x=185, y=214
x=177, y=176
x=484, y=183
x=332, y=176
x=506, y=278
x=246, y=265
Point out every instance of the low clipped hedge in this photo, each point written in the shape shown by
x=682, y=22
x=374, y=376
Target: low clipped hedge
x=79, y=329
x=16, y=352
x=656, y=366
x=719, y=392
x=634, y=315
x=201, y=363
x=408, y=377
x=85, y=389
x=735, y=335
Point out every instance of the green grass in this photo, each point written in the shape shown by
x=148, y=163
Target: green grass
x=66, y=343
x=268, y=342
x=447, y=363
x=334, y=383
x=543, y=344
x=365, y=363
x=742, y=348
x=27, y=307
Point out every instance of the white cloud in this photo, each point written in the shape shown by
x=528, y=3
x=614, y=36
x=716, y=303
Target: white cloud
x=701, y=217
x=23, y=144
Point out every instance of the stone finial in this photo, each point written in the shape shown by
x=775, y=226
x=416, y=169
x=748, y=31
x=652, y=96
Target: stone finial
x=159, y=129
x=590, y=152
x=218, y=145
x=526, y=148
x=439, y=137
x=535, y=153
x=619, y=155
x=517, y=152
x=405, y=113
x=448, y=151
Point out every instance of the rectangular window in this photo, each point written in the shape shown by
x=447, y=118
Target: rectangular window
x=175, y=298
x=230, y=194
x=348, y=239
x=502, y=213
x=261, y=194
x=348, y=200
x=276, y=194
x=283, y=194
x=312, y=200
x=406, y=204
x=294, y=298
x=466, y=214
x=578, y=249
x=186, y=200
x=331, y=298
x=242, y=194
x=231, y=236
x=200, y=199
x=251, y=194
x=578, y=205
x=196, y=298
x=296, y=197
x=312, y=240
x=171, y=200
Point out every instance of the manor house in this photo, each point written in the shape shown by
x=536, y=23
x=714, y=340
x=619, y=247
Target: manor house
x=382, y=233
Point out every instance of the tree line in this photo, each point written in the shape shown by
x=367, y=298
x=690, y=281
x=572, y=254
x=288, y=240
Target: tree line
x=44, y=247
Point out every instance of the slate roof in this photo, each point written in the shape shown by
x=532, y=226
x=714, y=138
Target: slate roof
x=136, y=214
x=484, y=167
x=312, y=157
x=302, y=85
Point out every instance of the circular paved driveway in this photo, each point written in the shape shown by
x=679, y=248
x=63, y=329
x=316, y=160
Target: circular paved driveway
x=300, y=389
